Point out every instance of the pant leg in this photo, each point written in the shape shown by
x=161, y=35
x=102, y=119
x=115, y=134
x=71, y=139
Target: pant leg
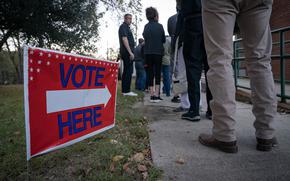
x=218, y=24
x=127, y=73
x=193, y=60
x=137, y=76
x=184, y=101
x=150, y=67
x=163, y=80
x=138, y=67
x=158, y=64
x=257, y=41
x=147, y=77
x=142, y=77
x=166, y=78
x=208, y=92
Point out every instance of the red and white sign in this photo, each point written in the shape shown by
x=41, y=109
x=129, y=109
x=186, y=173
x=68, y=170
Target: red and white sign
x=68, y=98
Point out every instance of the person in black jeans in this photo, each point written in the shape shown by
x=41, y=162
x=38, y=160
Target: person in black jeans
x=189, y=27
x=154, y=38
x=126, y=50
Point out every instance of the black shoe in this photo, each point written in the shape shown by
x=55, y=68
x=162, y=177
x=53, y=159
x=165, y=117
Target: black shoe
x=190, y=116
x=180, y=109
x=154, y=99
x=175, y=99
x=208, y=115
x=159, y=98
x=266, y=144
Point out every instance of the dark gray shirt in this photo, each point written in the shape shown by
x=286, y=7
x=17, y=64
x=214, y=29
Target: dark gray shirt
x=154, y=36
x=124, y=31
x=138, y=52
x=171, y=25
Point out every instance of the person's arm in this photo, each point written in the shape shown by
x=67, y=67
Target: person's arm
x=127, y=46
x=163, y=35
x=179, y=24
x=169, y=27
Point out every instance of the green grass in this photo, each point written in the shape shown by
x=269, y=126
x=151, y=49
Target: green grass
x=90, y=159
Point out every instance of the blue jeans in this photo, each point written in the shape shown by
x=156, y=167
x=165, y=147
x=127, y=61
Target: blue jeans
x=140, y=75
x=166, y=79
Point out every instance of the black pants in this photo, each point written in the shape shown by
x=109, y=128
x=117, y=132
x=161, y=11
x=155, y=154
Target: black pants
x=195, y=60
x=154, y=63
x=127, y=73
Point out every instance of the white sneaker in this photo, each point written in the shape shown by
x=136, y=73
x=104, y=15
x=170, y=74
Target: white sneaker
x=130, y=94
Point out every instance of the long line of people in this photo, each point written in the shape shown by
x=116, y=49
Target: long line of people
x=201, y=41
x=157, y=55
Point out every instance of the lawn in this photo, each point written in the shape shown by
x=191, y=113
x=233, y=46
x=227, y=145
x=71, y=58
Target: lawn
x=122, y=153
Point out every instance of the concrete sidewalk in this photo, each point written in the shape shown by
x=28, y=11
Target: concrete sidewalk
x=176, y=150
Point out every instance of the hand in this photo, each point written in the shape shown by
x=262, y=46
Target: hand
x=132, y=56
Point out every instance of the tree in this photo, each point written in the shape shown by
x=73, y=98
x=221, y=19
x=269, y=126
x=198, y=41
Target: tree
x=67, y=25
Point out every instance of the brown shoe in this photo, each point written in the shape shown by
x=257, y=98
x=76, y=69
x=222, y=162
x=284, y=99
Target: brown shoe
x=266, y=144
x=210, y=141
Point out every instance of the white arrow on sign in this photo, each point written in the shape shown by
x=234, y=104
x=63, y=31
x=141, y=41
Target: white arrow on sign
x=61, y=100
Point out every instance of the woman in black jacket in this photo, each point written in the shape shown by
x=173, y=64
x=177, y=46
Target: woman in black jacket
x=154, y=38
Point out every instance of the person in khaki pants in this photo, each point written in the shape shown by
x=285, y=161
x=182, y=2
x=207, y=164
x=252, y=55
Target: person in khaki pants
x=218, y=24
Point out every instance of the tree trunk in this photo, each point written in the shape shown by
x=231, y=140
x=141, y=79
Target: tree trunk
x=20, y=59
x=5, y=38
x=14, y=64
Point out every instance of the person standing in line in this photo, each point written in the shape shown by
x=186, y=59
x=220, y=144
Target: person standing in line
x=180, y=73
x=127, y=44
x=139, y=66
x=166, y=75
x=171, y=28
x=253, y=20
x=189, y=27
x=154, y=36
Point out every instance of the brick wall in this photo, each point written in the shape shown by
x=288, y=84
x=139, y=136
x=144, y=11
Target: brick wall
x=280, y=18
x=280, y=14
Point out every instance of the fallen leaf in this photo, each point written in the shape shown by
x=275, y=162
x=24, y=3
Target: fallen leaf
x=113, y=141
x=127, y=169
x=180, y=161
x=112, y=167
x=117, y=158
x=138, y=157
x=90, y=143
x=141, y=168
x=145, y=175
x=17, y=133
x=148, y=163
x=126, y=166
x=146, y=152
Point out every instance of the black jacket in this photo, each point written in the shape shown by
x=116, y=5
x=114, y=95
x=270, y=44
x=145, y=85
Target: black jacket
x=154, y=37
x=188, y=8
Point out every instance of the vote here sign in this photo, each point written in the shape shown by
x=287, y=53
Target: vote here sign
x=68, y=98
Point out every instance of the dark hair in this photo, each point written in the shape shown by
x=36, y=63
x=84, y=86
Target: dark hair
x=140, y=40
x=128, y=14
x=151, y=13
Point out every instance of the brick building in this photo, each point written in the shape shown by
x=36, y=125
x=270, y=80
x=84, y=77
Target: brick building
x=280, y=18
